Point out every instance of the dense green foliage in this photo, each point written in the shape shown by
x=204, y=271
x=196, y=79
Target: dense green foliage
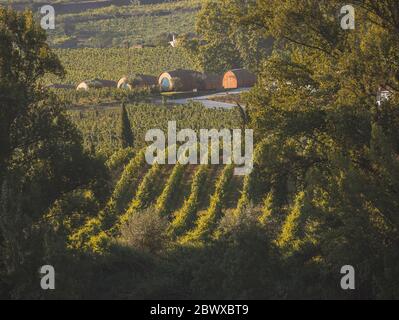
x=146, y=191
x=41, y=155
x=129, y=180
x=226, y=41
x=332, y=151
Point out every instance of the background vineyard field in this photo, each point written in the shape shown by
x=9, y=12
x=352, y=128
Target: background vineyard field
x=113, y=63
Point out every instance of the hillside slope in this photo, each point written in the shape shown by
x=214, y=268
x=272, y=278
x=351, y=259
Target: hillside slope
x=113, y=23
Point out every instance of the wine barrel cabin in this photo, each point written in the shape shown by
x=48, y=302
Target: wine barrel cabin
x=238, y=78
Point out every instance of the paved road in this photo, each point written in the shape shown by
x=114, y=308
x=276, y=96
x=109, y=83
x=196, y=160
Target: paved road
x=205, y=100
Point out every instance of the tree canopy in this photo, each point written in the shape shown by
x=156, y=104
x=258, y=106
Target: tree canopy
x=41, y=154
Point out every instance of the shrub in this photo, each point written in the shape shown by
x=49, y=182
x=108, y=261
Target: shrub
x=145, y=230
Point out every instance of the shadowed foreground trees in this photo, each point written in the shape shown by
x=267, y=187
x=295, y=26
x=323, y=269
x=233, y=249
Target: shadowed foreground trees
x=334, y=172
x=41, y=155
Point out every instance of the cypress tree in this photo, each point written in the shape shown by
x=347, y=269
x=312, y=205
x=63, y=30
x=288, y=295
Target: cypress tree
x=126, y=134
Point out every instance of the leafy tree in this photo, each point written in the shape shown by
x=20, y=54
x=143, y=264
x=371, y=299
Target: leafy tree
x=226, y=38
x=216, y=52
x=331, y=150
x=41, y=155
x=18, y=85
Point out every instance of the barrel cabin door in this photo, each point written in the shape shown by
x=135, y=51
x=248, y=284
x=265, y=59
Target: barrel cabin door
x=165, y=84
x=230, y=81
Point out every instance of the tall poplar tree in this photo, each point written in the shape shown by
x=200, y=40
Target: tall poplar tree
x=125, y=129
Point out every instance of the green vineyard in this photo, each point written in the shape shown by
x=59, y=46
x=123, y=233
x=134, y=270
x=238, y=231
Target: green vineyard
x=192, y=199
x=113, y=64
x=99, y=127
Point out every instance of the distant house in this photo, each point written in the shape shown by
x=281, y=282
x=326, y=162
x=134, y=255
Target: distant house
x=173, y=43
x=96, y=84
x=383, y=95
x=180, y=80
x=238, y=78
x=137, y=81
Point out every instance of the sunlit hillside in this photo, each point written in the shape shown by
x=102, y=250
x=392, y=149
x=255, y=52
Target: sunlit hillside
x=107, y=23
